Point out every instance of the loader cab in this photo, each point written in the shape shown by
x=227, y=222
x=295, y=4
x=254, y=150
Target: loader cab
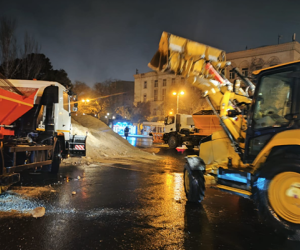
x=275, y=107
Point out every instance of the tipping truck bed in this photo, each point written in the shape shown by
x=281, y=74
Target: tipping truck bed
x=206, y=124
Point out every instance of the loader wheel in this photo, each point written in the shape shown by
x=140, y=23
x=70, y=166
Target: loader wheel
x=277, y=194
x=194, y=186
x=56, y=158
x=173, y=142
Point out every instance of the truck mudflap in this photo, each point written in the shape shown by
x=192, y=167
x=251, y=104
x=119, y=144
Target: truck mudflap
x=77, y=145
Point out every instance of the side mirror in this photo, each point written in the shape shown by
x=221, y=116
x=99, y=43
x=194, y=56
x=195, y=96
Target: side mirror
x=292, y=117
x=74, y=107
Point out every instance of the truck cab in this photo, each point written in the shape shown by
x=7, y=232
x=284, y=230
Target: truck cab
x=177, y=122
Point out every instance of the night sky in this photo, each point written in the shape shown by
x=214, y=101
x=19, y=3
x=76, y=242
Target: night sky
x=97, y=40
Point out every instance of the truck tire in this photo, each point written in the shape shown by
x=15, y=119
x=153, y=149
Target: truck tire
x=276, y=191
x=56, y=158
x=173, y=142
x=194, y=186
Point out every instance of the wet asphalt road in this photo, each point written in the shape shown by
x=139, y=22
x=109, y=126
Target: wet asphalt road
x=138, y=206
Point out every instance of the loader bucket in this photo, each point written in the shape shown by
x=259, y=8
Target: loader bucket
x=77, y=145
x=185, y=57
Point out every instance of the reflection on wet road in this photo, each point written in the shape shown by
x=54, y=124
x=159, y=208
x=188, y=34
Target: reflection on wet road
x=135, y=206
x=140, y=141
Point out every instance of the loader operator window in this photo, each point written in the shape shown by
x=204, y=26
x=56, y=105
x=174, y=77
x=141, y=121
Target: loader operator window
x=273, y=100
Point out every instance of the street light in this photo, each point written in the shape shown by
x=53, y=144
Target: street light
x=171, y=113
x=85, y=101
x=175, y=93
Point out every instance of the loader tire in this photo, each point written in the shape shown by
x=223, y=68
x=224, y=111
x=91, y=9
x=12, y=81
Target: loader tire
x=173, y=142
x=56, y=158
x=194, y=186
x=272, y=189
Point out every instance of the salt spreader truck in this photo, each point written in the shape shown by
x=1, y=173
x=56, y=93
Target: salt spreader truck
x=35, y=128
x=257, y=152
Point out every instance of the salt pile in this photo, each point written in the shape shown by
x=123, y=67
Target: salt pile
x=103, y=143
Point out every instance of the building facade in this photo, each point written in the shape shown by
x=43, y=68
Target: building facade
x=254, y=59
x=154, y=87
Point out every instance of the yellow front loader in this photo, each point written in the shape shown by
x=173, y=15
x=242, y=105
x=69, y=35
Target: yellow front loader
x=257, y=152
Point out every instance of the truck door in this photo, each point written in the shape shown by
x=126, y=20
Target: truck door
x=63, y=115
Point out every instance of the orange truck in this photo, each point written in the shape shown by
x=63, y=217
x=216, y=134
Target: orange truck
x=188, y=130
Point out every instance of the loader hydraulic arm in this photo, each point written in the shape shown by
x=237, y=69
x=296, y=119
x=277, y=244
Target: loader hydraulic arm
x=203, y=65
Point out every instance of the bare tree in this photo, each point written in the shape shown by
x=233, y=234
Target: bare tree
x=125, y=112
x=18, y=61
x=90, y=101
x=8, y=47
x=31, y=61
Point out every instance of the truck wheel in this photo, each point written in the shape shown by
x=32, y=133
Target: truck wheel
x=276, y=191
x=173, y=142
x=56, y=158
x=194, y=186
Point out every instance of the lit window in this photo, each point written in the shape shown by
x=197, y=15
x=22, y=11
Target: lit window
x=156, y=83
x=163, y=94
x=155, y=95
x=164, y=82
x=231, y=74
x=145, y=84
x=245, y=71
x=145, y=98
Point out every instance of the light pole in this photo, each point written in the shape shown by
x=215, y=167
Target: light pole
x=175, y=93
x=107, y=117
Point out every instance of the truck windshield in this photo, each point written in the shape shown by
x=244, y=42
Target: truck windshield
x=273, y=100
x=169, y=120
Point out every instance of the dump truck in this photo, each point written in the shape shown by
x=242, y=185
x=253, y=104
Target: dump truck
x=188, y=130
x=35, y=128
x=256, y=154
